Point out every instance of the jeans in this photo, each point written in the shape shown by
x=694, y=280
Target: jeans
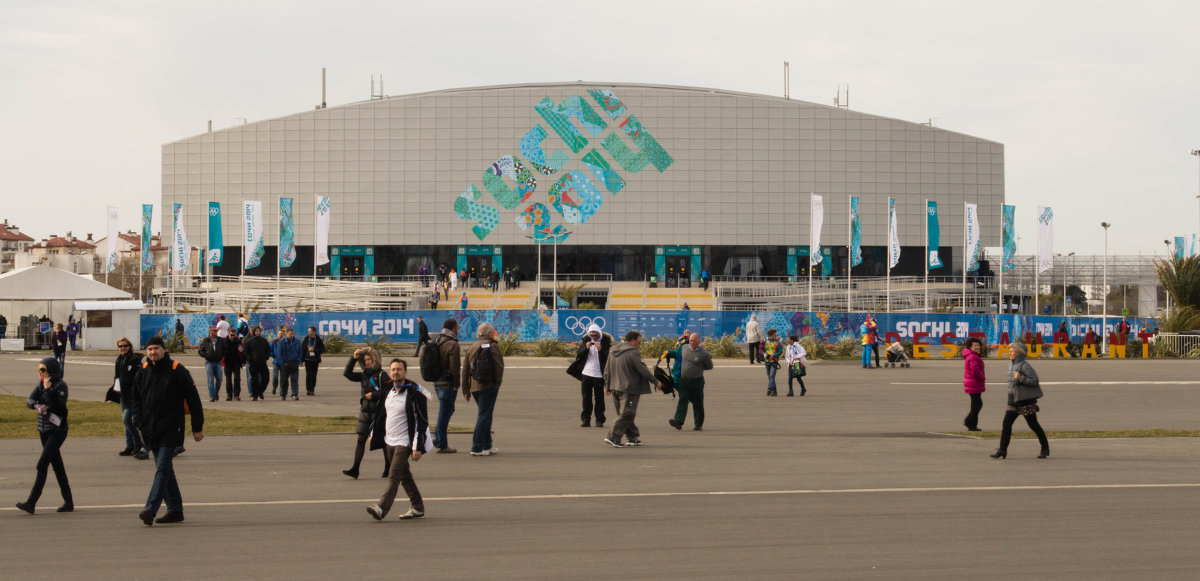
x=400, y=474
x=233, y=380
x=446, y=397
x=51, y=457
x=486, y=402
x=972, y=420
x=626, y=405
x=771, y=369
x=212, y=370
x=291, y=373
x=133, y=440
x=259, y=376
x=592, y=388
x=165, y=486
x=276, y=371
x=691, y=390
x=310, y=376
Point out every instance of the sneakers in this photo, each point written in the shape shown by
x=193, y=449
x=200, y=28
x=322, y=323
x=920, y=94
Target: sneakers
x=412, y=513
x=616, y=444
x=481, y=453
x=633, y=442
x=142, y=454
x=376, y=512
x=675, y=424
x=494, y=450
x=447, y=450
x=295, y=398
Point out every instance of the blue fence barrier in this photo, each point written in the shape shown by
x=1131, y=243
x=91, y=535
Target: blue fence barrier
x=569, y=325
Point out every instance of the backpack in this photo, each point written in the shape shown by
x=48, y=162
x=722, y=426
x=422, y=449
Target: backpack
x=483, y=368
x=432, y=368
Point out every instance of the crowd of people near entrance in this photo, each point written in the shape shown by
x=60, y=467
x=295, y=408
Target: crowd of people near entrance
x=157, y=394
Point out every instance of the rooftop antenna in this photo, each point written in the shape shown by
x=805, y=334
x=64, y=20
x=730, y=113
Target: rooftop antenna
x=787, y=82
x=377, y=77
x=842, y=100
x=933, y=122
x=322, y=105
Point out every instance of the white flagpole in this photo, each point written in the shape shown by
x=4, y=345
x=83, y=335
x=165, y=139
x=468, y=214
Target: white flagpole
x=810, y=251
x=888, y=293
x=926, y=255
x=849, y=253
x=1037, y=268
x=1001, y=278
x=966, y=259
x=278, y=247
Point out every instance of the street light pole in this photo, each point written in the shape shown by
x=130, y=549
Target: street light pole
x=1196, y=152
x=1104, y=289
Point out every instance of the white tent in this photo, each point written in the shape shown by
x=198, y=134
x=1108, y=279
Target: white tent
x=44, y=291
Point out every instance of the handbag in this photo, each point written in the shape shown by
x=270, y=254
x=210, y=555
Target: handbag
x=798, y=369
x=1029, y=410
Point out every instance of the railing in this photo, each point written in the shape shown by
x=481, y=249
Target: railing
x=1181, y=344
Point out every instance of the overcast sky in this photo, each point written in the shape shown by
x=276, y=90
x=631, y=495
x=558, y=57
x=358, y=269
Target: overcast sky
x=1096, y=103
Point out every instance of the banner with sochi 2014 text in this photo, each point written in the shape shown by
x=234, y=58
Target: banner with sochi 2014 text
x=971, y=224
x=147, y=216
x=893, y=235
x=931, y=330
x=817, y=217
x=180, y=248
x=287, y=234
x=252, y=236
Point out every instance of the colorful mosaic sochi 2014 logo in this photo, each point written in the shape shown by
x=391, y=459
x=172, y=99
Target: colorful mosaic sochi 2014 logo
x=573, y=195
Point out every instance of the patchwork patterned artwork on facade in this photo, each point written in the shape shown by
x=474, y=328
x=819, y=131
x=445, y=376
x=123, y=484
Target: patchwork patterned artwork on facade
x=574, y=197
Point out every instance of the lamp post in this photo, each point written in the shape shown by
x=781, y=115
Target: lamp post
x=557, y=237
x=1104, y=289
x=535, y=238
x=1196, y=152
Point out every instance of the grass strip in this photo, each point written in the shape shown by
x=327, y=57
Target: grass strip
x=104, y=419
x=1151, y=433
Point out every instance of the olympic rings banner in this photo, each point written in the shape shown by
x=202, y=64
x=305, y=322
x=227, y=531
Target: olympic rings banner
x=569, y=325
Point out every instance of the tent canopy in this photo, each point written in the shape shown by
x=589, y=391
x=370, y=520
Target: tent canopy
x=46, y=283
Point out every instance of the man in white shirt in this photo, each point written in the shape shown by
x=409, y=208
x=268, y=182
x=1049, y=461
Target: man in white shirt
x=753, y=337
x=402, y=430
x=222, y=327
x=588, y=368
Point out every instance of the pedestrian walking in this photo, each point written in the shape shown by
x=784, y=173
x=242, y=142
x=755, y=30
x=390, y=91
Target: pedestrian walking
x=772, y=351
x=402, y=431
x=58, y=344
x=212, y=351
x=163, y=393
x=974, y=380
x=590, y=360
x=258, y=351
x=232, y=363
x=289, y=350
x=49, y=400
x=1024, y=391
x=371, y=393
x=873, y=338
x=445, y=380
x=422, y=336
x=482, y=373
x=311, y=349
x=797, y=361
x=276, y=360
x=626, y=379
x=695, y=360
x=124, y=370
x=180, y=332
x=754, y=337
x=73, y=330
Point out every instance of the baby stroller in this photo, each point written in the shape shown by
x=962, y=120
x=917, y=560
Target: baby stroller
x=896, y=356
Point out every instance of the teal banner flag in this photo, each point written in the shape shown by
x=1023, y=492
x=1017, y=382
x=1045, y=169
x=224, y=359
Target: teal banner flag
x=934, y=235
x=1010, y=238
x=287, y=234
x=855, y=234
x=147, y=258
x=216, y=246
x=1179, y=242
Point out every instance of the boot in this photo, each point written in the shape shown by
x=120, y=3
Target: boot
x=68, y=502
x=26, y=506
x=1045, y=453
x=1000, y=454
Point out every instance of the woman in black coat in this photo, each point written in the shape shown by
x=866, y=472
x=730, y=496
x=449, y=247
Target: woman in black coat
x=371, y=380
x=49, y=398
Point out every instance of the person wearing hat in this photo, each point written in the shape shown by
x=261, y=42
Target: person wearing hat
x=1024, y=390
x=588, y=368
x=162, y=393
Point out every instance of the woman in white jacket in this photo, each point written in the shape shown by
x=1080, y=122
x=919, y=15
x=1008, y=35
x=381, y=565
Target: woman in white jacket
x=795, y=354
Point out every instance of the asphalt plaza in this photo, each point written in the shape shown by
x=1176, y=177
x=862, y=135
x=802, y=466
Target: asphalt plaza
x=861, y=478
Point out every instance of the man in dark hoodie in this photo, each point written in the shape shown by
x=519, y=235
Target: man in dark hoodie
x=258, y=351
x=626, y=379
x=162, y=393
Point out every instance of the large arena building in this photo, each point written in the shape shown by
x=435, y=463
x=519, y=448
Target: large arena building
x=626, y=179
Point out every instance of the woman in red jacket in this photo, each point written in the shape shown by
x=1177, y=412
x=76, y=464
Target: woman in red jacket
x=974, y=380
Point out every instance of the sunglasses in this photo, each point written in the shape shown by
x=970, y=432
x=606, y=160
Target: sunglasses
x=123, y=345
x=42, y=369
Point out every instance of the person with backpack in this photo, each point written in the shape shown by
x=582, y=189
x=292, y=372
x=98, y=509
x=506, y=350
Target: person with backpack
x=590, y=360
x=440, y=365
x=627, y=379
x=772, y=350
x=371, y=382
x=482, y=374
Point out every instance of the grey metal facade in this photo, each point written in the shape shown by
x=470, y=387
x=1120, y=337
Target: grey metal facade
x=741, y=169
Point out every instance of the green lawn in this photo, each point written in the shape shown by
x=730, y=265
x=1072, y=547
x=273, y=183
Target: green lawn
x=1152, y=433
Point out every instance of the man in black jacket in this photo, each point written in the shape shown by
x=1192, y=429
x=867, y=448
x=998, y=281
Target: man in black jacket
x=422, y=335
x=163, y=391
x=257, y=351
x=212, y=350
x=310, y=352
x=588, y=368
x=126, y=368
